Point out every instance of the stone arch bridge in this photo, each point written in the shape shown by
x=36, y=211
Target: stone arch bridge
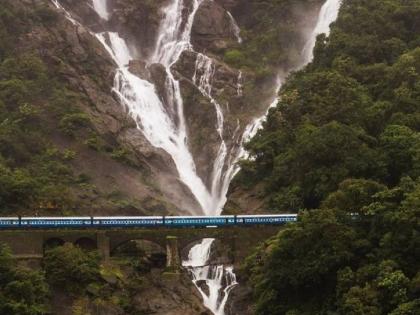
x=31, y=244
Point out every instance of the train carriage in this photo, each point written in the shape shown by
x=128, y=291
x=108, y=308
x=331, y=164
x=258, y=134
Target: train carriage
x=265, y=219
x=55, y=222
x=9, y=222
x=127, y=221
x=199, y=221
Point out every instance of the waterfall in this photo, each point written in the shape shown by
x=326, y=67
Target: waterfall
x=203, y=80
x=235, y=28
x=239, y=86
x=162, y=128
x=327, y=15
x=100, y=6
x=218, y=279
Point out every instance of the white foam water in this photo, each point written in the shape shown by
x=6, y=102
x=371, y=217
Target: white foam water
x=101, y=7
x=218, y=279
x=203, y=79
x=327, y=15
x=235, y=28
x=239, y=85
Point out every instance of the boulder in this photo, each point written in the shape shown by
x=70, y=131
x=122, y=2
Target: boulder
x=212, y=28
x=138, y=68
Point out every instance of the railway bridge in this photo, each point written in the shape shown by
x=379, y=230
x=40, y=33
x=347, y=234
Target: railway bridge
x=31, y=244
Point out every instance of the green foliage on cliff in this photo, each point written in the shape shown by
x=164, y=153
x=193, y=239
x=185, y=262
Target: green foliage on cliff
x=22, y=291
x=33, y=172
x=71, y=268
x=38, y=113
x=344, y=143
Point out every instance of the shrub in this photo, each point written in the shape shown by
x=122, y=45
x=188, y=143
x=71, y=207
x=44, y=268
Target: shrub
x=71, y=267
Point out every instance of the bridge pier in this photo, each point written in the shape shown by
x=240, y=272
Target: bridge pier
x=173, y=259
x=103, y=244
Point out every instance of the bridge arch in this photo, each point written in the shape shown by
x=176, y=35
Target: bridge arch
x=52, y=243
x=86, y=243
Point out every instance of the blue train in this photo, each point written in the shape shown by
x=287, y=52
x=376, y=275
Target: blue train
x=151, y=221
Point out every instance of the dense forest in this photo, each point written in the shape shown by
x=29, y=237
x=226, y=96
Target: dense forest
x=342, y=147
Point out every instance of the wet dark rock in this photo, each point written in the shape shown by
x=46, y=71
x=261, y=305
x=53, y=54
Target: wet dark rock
x=139, y=21
x=203, y=286
x=212, y=29
x=138, y=68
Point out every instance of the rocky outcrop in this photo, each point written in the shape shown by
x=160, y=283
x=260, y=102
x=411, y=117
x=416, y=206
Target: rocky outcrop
x=170, y=297
x=212, y=30
x=139, y=21
x=153, y=292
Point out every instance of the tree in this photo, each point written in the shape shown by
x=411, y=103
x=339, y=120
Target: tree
x=22, y=291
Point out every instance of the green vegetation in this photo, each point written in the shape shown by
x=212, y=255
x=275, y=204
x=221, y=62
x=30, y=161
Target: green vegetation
x=33, y=172
x=43, y=121
x=344, y=143
x=22, y=291
x=71, y=268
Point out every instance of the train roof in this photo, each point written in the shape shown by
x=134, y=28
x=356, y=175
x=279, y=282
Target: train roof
x=267, y=215
x=198, y=216
x=127, y=218
x=55, y=218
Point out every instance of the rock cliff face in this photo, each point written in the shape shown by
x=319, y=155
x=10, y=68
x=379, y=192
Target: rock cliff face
x=212, y=30
x=153, y=293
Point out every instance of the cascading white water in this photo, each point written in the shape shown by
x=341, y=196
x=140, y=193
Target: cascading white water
x=174, y=38
x=239, y=85
x=203, y=79
x=162, y=128
x=220, y=280
x=101, y=7
x=235, y=28
x=67, y=14
x=327, y=15
x=164, y=124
